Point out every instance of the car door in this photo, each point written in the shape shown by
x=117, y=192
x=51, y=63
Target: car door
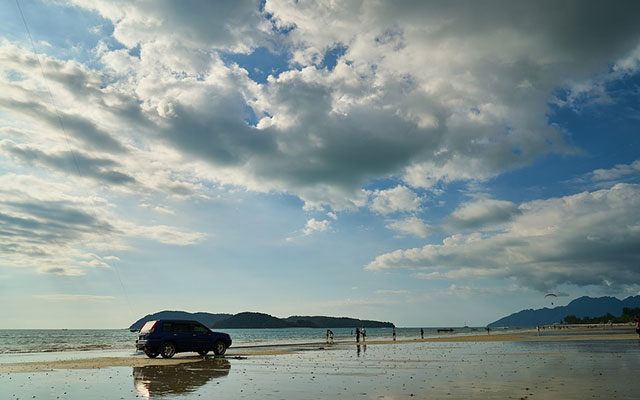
x=182, y=335
x=202, y=337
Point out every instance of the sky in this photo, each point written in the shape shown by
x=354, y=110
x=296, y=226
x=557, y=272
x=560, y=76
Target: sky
x=434, y=163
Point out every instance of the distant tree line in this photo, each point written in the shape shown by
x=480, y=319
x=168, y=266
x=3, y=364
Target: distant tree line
x=627, y=316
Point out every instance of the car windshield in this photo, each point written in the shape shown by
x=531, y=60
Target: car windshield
x=148, y=326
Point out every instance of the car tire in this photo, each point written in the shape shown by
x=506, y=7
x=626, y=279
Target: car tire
x=150, y=354
x=167, y=350
x=203, y=352
x=219, y=348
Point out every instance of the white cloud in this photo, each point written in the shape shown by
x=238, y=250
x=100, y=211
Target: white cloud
x=616, y=173
x=581, y=240
x=314, y=225
x=412, y=97
x=164, y=234
x=482, y=213
x=72, y=297
x=399, y=198
x=411, y=226
x=234, y=26
x=428, y=92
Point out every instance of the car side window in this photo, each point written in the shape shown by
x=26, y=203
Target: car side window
x=199, y=329
x=167, y=327
x=181, y=328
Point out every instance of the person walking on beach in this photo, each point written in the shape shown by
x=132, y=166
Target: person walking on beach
x=637, y=321
x=393, y=332
x=363, y=331
x=421, y=333
x=357, y=335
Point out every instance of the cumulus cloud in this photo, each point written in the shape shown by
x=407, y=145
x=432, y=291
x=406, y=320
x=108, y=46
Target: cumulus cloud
x=482, y=213
x=400, y=198
x=424, y=92
x=314, y=225
x=234, y=26
x=583, y=239
x=411, y=226
x=616, y=173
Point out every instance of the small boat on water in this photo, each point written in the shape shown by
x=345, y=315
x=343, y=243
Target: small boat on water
x=445, y=330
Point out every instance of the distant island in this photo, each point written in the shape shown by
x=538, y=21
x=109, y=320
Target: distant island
x=255, y=320
x=206, y=319
x=580, y=309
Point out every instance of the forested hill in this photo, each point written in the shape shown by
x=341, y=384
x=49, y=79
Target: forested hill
x=253, y=320
x=206, y=319
x=250, y=320
x=336, y=322
x=581, y=307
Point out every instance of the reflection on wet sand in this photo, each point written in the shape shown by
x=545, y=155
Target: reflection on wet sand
x=157, y=380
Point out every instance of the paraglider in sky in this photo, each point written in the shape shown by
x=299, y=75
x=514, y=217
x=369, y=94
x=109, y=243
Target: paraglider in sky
x=550, y=295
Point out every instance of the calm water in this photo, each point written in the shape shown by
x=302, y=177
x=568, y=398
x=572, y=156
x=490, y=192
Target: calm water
x=53, y=340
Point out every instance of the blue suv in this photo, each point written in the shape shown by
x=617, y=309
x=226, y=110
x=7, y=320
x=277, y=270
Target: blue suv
x=168, y=337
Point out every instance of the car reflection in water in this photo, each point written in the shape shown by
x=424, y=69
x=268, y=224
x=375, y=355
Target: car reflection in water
x=158, y=380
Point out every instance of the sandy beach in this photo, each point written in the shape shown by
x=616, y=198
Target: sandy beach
x=594, y=363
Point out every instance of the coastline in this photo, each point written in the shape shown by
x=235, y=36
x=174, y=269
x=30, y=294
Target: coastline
x=585, y=363
x=140, y=360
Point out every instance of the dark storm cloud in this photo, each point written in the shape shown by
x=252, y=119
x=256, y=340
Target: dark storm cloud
x=218, y=135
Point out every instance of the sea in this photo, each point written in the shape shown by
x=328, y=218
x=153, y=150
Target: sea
x=15, y=341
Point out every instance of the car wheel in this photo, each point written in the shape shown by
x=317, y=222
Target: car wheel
x=219, y=348
x=168, y=350
x=150, y=354
x=203, y=352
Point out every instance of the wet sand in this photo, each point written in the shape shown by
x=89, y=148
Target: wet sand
x=575, y=364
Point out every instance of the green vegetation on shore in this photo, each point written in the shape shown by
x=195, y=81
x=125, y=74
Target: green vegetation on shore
x=252, y=320
x=628, y=315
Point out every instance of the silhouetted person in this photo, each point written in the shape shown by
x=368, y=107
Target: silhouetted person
x=357, y=334
x=393, y=333
x=637, y=321
x=421, y=333
x=329, y=336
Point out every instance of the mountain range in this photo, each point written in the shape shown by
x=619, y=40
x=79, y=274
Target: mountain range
x=581, y=307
